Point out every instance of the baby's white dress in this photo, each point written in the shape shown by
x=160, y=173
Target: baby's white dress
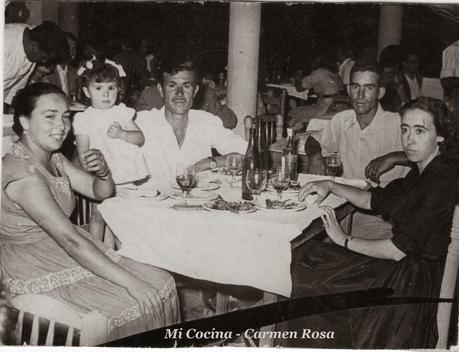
x=125, y=160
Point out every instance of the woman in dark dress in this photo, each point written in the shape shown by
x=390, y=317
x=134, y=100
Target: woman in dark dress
x=420, y=208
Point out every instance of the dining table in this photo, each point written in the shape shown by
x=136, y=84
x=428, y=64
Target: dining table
x=188, y=237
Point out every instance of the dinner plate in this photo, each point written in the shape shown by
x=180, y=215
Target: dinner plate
x=261, y=204
x=211, y=186
x=195, y=195
x=210, y=207
x=132, y=193
x=289, y=192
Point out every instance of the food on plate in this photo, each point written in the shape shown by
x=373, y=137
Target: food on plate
x=281, y=204
x=234, y=207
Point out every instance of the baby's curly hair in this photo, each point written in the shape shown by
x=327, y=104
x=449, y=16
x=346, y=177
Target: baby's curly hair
x=445, y=124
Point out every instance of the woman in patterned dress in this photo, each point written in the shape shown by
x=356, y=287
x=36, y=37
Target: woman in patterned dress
x=42, y=252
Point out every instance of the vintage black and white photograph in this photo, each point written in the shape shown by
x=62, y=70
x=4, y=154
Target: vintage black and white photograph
x=230, y=174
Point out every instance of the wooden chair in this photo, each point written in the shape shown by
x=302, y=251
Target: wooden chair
x=45, y=321
x=448, y=284
x=272, y=123
x=82, y=212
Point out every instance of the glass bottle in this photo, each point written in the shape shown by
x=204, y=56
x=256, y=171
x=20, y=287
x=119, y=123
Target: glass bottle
x=263, y=147
x=290, y=156
x=251, y=161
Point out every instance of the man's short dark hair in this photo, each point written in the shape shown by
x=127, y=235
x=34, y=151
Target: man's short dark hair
x=178, y=66
x=51, y=41
x=366, y=65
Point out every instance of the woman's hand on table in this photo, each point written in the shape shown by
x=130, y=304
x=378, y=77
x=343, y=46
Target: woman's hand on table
x=146, y=296
x=331, y=224
x=320, y=188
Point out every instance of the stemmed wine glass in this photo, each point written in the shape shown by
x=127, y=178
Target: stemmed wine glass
x=280, y=180
x=333, y=165
x=186, y=178
x=234, y=165
x=256, y=181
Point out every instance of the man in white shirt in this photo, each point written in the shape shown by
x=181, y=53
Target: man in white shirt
x=178, y=135
x=24, y=46
x=362, y=134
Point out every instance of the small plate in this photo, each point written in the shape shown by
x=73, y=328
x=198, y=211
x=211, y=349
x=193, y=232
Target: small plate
x=290, y=192
x=210, y=207
x=211, y=186
x=153, y=195
x=261, y=204
x=195, y=195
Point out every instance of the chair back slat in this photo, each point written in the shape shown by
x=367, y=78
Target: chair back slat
x=50, y=335
x=449, y=283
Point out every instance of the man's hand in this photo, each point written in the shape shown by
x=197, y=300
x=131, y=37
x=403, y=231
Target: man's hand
x=382, y=164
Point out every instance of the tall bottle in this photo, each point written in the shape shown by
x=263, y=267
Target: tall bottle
x=290, y=154
x=251, y=161
x=263, y=147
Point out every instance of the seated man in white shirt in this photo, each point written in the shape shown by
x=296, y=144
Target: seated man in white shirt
x=361, y=135
x=177, y=134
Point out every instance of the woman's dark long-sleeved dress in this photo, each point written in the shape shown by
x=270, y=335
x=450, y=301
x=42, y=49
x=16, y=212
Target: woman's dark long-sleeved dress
x=420, y=208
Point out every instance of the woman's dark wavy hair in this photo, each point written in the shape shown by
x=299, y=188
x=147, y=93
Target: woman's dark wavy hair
x=445, y=125
x=25, y=100
x=100, y=72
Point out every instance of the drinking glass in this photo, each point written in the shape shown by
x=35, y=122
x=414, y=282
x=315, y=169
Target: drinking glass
x=256, y=181
x=234, y=165
x=280, y=180
x=333, y=165
x=186, y=179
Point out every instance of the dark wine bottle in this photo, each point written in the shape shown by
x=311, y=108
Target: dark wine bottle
x=251, y=161
x=290, y=154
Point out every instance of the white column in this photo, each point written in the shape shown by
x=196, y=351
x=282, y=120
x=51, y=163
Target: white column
x=243, y=50
x=44, y=10
x=390, y=26
x=68, y=17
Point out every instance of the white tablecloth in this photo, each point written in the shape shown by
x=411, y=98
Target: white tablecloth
x=246, y=249
x=291, y=90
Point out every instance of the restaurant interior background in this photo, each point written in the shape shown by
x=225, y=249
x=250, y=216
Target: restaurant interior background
x=291, y=34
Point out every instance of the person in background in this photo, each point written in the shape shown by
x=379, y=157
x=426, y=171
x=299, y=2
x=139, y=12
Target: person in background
x=25, y=46
x=43, y=252
x=177, y=134
x=110, y=128
x=134, y=64
x=449, y=74
x=65, y=75
x=390, y=80
x=361, y=135
x=419, y=209
x=411, y=78
x=326, y=84
x=41, y=73
x=345, y=63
